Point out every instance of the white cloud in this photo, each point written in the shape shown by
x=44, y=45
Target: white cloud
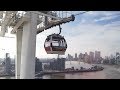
x=113, y=25
x=91, y=37
x=103, y=13
x=107, y=17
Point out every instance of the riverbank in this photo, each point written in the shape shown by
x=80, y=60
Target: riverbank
x=70, y=71
x=109, y=72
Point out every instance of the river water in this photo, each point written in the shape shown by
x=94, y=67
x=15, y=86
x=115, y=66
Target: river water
x=109, y=72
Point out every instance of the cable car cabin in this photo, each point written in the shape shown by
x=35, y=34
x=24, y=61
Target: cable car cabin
x=55, y=44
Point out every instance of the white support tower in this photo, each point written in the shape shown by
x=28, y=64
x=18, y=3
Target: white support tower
x=28, y=48
x=18, y=53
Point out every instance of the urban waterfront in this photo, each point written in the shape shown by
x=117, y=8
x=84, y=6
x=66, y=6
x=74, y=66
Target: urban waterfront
x=109, y=72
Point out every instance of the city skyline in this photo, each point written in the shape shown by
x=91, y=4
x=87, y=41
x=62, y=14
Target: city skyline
x=92, y=31
x=88, y=57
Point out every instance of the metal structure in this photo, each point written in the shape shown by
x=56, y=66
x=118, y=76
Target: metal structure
x=26, y=25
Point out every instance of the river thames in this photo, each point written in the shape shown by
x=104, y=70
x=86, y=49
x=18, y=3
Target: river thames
x=109, y=72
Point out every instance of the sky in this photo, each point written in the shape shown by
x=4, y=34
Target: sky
x=91, y=31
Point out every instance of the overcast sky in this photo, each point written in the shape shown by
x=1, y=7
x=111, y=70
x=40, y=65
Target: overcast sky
x=94, y=30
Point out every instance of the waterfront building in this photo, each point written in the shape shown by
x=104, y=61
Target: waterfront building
x=7, y=64
x=38, y=65
x=118, y=58
x=97, y=56
x=76, y=58
x=91, y=57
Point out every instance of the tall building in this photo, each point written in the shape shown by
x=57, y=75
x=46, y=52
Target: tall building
x=58, y=64
x=80, y=56
x=106, y=57
x=97, y=56
x=7, y=64
x=38, y=65
x=91, y=57
x=111, y=56
x=61, y=64
x=76, y=56
x=118, y=57
x=86, y=58
x=70, y=58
